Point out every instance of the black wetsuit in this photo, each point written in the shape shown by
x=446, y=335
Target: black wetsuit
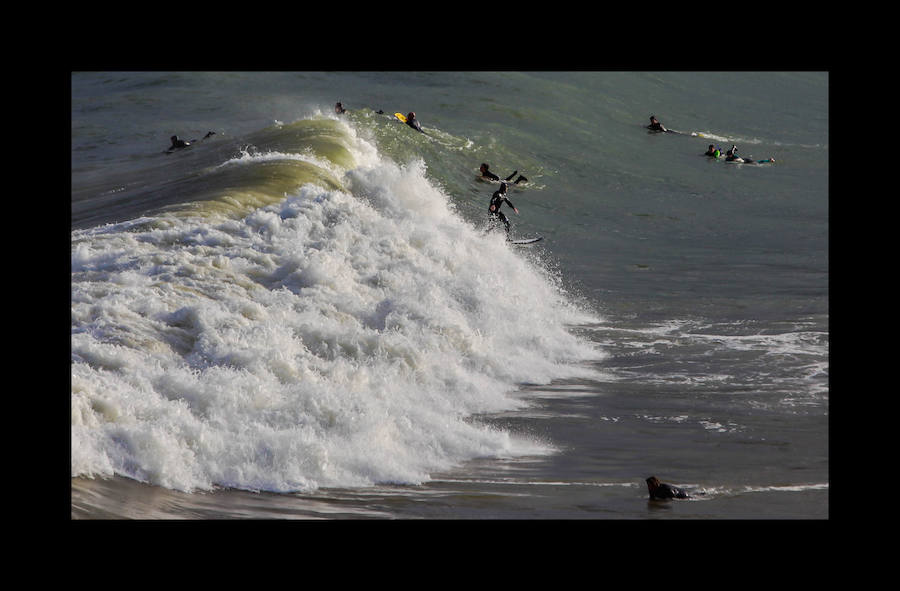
x=731, y=156
x=414, y=123
x=667, y=491
x=490, y=175
x=497, y=200
x=177, y=143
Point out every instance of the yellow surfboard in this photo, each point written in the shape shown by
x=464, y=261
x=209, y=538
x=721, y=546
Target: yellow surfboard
x=400, y=116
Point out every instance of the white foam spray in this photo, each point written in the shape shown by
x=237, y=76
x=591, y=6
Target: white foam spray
x=337, y=338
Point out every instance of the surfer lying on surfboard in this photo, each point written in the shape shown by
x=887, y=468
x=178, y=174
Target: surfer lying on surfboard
x=413, y=122
x=410, y=120
x=490, y=175
x=660, y=490
x=656, y=127
x=731, y=156
x=177, y=143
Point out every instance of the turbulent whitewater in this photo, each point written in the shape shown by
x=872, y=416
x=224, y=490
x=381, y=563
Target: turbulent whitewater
x=306, y=313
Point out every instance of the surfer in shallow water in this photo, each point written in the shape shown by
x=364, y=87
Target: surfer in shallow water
x=490, y=175
x=497, y=200
x=713, y=152
x=661, y=491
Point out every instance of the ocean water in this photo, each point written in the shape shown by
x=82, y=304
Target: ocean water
x=307, y=316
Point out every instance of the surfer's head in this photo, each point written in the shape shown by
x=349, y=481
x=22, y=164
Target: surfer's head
x=652, y=483
x=484, y=168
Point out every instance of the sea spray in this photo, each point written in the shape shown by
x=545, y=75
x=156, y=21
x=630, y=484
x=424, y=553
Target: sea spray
x=337, y=336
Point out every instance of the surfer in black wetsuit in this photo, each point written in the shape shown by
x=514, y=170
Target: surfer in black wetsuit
x=655, y=125
x=660, y=491
x=178, y=144
x=490, y=175
x=731, y=156
x=497, y=200
x=413, y=122
x=339, y=108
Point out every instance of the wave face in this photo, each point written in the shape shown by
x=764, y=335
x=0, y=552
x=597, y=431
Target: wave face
x=306, y=314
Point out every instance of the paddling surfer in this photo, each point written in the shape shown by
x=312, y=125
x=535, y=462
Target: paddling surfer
x=713, y=152
x=490, y=175
x=660, y=491
x=413, y=122
x=178, y=143
x=655, y=125
x=731, y=155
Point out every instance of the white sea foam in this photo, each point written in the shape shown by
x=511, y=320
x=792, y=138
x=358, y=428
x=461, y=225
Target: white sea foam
x=336, y=338
x=791, y=363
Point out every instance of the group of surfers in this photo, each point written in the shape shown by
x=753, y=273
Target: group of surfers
x=712, y=151
x=657, y=490
x=497, y=199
